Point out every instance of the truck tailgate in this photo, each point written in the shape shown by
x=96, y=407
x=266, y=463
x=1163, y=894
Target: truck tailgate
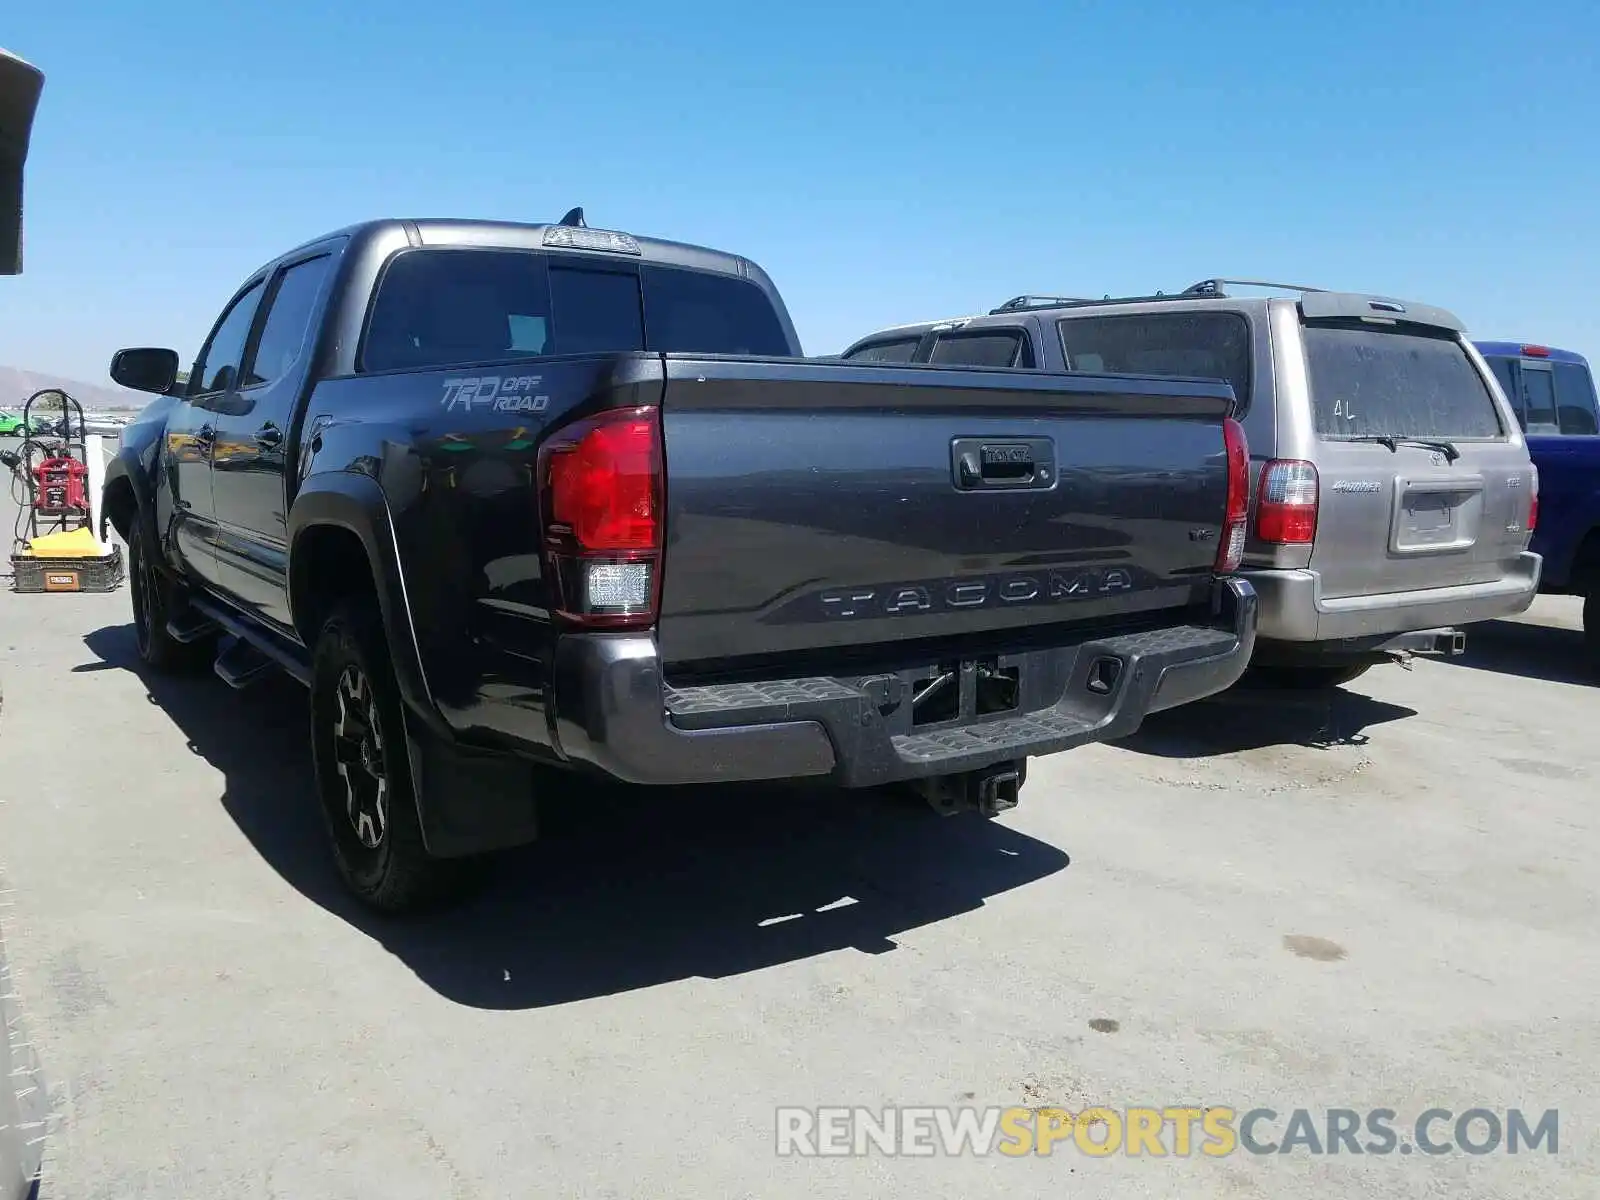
x=821, y=508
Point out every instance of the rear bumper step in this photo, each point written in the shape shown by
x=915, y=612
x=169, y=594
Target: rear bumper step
x=614, y=713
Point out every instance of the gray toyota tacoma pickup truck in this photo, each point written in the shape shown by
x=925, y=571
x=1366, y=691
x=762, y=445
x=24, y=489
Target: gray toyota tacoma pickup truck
x=513, y=498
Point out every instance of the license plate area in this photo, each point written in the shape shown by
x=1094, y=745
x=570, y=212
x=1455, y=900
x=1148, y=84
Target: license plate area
x=1433, y=515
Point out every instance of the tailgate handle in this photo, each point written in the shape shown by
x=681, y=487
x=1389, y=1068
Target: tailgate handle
x=1023, y=463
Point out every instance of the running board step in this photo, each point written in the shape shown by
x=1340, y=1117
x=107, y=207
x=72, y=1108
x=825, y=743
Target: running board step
x=241, y=664
x=190, y=626
x=257, y=642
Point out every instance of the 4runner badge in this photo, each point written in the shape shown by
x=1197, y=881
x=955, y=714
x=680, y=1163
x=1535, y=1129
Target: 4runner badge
x=498, y=393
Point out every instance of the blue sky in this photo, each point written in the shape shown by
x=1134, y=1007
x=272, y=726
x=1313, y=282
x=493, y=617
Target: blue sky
x=885, y=163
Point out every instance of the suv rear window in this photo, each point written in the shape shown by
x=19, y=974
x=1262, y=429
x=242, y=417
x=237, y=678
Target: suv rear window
x=438, y=307
x=1204, y=345
x=1385, y=382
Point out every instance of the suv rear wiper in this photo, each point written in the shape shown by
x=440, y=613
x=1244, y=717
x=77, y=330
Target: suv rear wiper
x=1393, y=443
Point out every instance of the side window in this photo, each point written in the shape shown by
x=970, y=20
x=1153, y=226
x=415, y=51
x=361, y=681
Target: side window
x=283, y=336
x=595, y=311
x=1539, y=399
x=1207, y=345
x=901, y=350
x=1575, y=400
x=217, y=369
x=991, y=348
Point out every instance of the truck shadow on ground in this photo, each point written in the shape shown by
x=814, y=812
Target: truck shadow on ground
x=1252, y=715
x=1546, y=652
x=628, y=887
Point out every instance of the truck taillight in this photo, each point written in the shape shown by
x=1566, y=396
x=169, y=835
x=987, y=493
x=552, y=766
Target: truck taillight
x=1231, y=551
x=1286, y=503
x=1533, y=501
x=601, y=493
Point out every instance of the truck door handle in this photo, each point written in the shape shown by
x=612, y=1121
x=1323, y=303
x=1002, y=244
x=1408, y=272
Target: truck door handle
x=269, y=437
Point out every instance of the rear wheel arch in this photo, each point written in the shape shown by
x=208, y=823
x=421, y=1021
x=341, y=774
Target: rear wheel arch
x=341, y=548
x=329, y=565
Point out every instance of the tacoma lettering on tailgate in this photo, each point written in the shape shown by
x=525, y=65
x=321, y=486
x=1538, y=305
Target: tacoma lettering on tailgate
x=901, y=599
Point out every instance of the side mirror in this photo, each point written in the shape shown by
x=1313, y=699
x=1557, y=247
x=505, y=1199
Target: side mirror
x=145, y=369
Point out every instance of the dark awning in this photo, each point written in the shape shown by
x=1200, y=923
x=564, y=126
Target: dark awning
x=20, y=85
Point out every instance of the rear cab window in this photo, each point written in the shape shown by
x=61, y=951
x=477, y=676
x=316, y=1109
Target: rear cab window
x=1548, y=395
x=1203, y=345
x=1392, y=381
x=437, y=307
x=1575, y=399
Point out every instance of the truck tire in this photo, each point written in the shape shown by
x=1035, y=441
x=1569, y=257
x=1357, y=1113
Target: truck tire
x=1311, y=678
x=363, y=770
x=151, y=595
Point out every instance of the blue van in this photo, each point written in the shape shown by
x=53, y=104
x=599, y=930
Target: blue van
x=1553, y=394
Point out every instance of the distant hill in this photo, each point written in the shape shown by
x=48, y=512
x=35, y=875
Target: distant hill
x=16, y=385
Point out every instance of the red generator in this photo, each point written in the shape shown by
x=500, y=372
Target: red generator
x=60, y=488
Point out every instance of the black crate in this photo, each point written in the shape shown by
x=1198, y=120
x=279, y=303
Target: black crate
x=100, y=574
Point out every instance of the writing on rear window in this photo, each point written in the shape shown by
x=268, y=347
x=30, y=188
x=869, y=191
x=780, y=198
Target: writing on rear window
x=1387, y=383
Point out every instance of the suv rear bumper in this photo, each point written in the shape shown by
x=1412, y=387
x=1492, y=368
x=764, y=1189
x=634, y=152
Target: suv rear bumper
x=613, y=712
x=1293, y=608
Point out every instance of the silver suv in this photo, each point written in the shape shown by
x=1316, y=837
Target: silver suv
x=1392, y=496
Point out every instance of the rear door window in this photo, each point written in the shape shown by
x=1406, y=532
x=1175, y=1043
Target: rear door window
x=1204, y=345
x=900, y=350
x=1575, y=399
x=986, y=348
x=1384, y=382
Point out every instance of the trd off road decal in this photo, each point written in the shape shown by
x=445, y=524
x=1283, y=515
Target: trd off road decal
x=495, y=393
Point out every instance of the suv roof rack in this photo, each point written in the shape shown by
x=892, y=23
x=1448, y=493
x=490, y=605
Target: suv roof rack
x=1023, y=303
x=1205, y=289
x=1216, y=287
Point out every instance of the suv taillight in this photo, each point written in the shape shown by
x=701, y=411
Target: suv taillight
x=1286, y=503
x=1533, y=501
x=1231, y=552
x=601, y=493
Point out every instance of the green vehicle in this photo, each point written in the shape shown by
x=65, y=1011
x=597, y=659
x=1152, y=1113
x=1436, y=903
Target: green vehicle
x=10, y=425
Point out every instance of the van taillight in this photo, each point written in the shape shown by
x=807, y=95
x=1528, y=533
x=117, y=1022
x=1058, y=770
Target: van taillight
x=1533, y=501
x=1536, y=351
x=1231, y=551
x=601, y=494
x=1286, y=503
